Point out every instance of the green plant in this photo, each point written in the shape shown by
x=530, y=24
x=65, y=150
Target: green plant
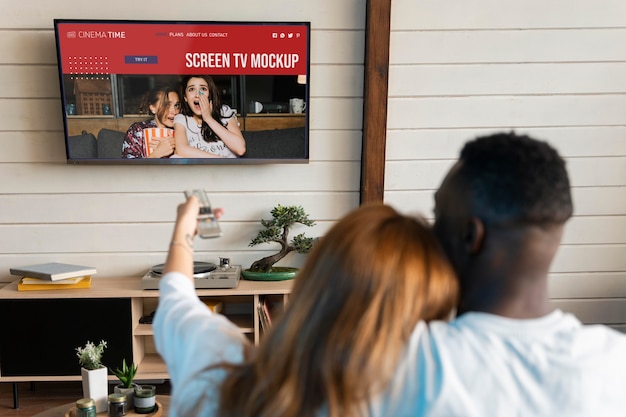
x=126, y=374
x=277, y=230
x=90, y=356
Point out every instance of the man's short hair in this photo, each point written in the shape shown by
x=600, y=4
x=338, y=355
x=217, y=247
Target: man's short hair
x=516, y=179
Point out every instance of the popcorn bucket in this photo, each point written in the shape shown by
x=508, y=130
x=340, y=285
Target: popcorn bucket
x=155, y=133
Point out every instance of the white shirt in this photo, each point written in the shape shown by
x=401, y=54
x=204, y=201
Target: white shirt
x=194, y=133
x=483, y=365
x=479, y=365
x=191, y=338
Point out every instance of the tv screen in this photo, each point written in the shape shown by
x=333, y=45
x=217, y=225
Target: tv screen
x=165, y=92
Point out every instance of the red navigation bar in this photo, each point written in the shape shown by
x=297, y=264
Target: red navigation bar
x=182, y=48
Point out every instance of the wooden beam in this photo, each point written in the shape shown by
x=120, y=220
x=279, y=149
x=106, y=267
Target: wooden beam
x=376, y=79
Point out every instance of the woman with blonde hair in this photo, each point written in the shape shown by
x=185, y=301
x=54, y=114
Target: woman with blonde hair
x=336, y=350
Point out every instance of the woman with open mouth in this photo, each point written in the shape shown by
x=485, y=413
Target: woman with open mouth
x=206, y=128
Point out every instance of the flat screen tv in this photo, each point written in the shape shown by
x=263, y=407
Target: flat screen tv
x=195, y=92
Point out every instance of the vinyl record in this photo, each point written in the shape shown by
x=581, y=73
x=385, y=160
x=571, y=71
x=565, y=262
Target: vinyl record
x=198, y=268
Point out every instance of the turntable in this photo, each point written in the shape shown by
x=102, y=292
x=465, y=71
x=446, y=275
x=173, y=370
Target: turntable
x=206, y=275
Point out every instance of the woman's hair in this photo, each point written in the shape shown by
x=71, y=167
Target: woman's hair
x=159, y=98
x=354, y=304
x=214, y=96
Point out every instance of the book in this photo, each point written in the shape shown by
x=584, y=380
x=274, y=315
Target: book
x=264, y=315
x=53, y=271
x=214, y=305
x=47, y=285
x=35, y=281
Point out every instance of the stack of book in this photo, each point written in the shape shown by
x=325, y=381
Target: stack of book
x=53, y=276
x=264, y=314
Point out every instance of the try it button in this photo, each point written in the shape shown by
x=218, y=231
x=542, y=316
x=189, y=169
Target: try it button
x=141, y=59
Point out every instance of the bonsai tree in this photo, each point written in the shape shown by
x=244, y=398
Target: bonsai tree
x=125, y=374
x=277, y=230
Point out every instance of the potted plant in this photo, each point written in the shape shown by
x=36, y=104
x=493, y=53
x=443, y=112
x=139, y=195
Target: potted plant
x=94, y=374
x=126, y=375
x=277, y=230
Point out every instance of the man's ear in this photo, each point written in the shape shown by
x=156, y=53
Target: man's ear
x=474, y=236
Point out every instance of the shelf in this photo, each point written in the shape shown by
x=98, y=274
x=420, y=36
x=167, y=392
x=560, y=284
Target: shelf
x=152, y=367
x=120, y=294
x=244, y=321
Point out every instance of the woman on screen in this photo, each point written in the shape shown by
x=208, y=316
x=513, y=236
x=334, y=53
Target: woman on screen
x=153, y=138
x=206, y=128
x=335, y=350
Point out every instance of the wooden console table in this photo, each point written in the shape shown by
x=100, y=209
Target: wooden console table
x=41, y=329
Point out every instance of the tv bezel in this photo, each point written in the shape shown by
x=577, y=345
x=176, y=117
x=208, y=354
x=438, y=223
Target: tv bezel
x=184, y=161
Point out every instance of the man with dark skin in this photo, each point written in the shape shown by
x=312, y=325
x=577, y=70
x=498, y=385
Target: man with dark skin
x=499, y=216
x=500, y=220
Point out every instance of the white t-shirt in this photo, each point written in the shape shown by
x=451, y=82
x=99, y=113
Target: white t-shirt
x=485, y=365
x=194, y=133
x=479, y=365
x=191, y=338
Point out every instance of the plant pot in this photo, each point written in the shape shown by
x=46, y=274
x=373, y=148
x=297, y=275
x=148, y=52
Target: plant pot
x=129, y=392
x=278, y=273
x=96, y=386
x=145, y=399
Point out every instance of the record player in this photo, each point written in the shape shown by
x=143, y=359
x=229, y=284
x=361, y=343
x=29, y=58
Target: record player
x=206, y=275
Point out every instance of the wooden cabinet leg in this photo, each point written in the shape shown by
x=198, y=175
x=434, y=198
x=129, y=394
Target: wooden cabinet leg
x=16, y=400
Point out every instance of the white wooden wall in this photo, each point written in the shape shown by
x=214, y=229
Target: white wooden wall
x=119, y=219
x=553, y=69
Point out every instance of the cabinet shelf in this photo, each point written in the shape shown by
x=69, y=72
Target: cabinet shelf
x=120, y=294
x=244, y=321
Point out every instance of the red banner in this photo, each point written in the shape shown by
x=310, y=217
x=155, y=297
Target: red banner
x=182, y=48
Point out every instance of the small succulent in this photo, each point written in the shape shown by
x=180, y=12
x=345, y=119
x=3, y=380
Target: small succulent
x=125, y=374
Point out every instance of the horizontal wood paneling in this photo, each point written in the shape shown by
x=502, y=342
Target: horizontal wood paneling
x=96, y=207
x=417, y=143
x=595, y=230
x=339, y=80
x=611, y=311
x=590, y=258
x=34, y=81
x=588, y=285
x=554, y=70
x=513, y=45
x=511, y=78
x=455, y=14
x=128, y=237
x=506, y=112
x=119, y=219
x=61, y=178
x=324, y=14
x=588, y=201
x=428, y=174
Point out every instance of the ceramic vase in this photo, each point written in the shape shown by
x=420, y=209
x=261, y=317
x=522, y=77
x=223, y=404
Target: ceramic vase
x=129, y=392
x=96, y=386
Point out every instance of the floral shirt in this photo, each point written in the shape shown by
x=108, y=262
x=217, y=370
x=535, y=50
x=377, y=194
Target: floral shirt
x=134, y=143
